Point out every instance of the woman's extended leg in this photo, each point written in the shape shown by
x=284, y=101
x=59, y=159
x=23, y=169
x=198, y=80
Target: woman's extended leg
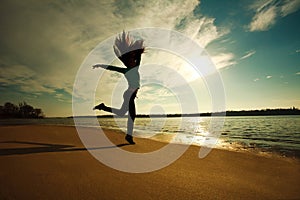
x=131, y=118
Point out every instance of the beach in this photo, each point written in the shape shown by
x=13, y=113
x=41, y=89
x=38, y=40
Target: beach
x=50, y=162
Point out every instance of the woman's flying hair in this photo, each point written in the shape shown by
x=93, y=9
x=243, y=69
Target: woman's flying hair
x=124, y=44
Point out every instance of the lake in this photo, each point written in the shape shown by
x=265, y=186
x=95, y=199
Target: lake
x=259, y=134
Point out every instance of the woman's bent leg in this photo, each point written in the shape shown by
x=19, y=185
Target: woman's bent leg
x=122, y=110
x=119, y=112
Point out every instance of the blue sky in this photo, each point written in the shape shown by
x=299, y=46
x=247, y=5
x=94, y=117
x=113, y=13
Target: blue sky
x=254, y=44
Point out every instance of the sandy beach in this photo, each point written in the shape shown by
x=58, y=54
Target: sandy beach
x=50, y=162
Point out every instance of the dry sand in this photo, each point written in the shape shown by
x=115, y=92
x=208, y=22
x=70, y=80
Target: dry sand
x=50, y=162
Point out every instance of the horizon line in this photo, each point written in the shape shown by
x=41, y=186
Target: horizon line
x=218, y=113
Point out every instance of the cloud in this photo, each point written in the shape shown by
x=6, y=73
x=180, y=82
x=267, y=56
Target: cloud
x=24, y=77
x=268, y=11
x=49, y=41
x=223, y=60
x=256, y=79
x=263, y=19
x=298, y=51
x=248, y=54
x=268, y=77
x=289, y=7
x=203, y=30
x=298, y=73
x=42, y=45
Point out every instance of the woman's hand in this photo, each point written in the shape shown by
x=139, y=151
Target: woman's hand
x=99, y=65
x=95, y=66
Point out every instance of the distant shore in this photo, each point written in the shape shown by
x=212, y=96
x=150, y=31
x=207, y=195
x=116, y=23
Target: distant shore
x=263, y=112
x=50, y=162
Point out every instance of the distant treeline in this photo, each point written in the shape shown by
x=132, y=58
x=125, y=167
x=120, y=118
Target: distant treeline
x=263, y=112
x=23, y=110
x=279, y=111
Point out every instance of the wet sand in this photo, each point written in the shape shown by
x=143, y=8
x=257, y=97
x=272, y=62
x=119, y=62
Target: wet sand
x=50, y=162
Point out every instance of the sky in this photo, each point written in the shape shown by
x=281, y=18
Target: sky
x=254, y=44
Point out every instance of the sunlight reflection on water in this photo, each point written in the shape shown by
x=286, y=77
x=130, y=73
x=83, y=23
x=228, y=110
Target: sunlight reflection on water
x=280, y=134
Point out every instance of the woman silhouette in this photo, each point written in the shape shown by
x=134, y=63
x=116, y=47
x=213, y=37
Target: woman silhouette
x=129, y=51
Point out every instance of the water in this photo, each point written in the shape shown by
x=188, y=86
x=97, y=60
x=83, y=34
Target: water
x=269, y=134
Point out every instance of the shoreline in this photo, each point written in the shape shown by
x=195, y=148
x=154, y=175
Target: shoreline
x=255, y=151
x=50, y=162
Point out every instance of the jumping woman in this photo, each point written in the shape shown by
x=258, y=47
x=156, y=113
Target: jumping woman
x=129, y=51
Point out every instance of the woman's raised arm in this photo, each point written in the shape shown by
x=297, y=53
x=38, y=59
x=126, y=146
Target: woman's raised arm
x=111, y=68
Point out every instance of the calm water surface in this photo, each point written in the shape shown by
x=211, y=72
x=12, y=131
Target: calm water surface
x=269, y=134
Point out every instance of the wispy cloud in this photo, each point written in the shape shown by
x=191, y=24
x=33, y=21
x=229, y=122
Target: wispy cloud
x=298, y=73
x=263, y=19
x=25, y=78
x=289, y=7
x=44, y=44
x=268, y=11
x=203, y=30
x=256, y=79
x=268, y=77
x=55, y=37
x=248, y=54
x=224, y=60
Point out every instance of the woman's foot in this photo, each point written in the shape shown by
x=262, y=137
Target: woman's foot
x=99, y=107
x=129, y=139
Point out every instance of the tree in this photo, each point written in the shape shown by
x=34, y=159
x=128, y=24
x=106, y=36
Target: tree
x=10, y=110
x=39, y=113
x=24, y=110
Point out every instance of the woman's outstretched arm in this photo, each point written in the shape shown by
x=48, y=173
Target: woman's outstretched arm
x=110, y=67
